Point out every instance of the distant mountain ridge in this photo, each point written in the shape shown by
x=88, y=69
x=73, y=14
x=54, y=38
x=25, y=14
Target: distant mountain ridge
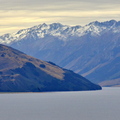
x=62, y=32
x=92, y=50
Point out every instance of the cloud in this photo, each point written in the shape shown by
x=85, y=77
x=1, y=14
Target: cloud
x=19, y=14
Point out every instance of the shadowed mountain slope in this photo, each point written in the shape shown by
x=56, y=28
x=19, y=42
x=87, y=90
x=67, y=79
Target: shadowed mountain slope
x=22, y=73
x=92, y=51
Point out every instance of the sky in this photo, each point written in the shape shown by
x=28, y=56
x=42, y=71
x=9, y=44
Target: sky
x=21, y=14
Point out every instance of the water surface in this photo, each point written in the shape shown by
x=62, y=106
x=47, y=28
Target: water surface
x=85, y=105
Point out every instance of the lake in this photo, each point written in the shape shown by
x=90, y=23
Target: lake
x=83, y=105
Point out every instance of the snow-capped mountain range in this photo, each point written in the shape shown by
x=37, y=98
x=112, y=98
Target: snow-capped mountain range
x=92, y=50
x=62, y=32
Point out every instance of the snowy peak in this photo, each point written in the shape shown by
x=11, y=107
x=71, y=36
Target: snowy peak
x=109, y=23
x=56, y=25
x=106, y=23
x=98, y=28
x=62, y=31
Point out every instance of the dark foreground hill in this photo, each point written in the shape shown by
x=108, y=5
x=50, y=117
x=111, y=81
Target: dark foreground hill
x=22, y=73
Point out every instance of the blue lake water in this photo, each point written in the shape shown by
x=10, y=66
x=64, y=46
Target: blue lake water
x=85, y=105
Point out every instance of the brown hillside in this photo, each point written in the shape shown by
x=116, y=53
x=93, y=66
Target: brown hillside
x=22, y=73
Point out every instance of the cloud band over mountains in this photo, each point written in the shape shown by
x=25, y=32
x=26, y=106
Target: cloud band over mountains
x=15, y=15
